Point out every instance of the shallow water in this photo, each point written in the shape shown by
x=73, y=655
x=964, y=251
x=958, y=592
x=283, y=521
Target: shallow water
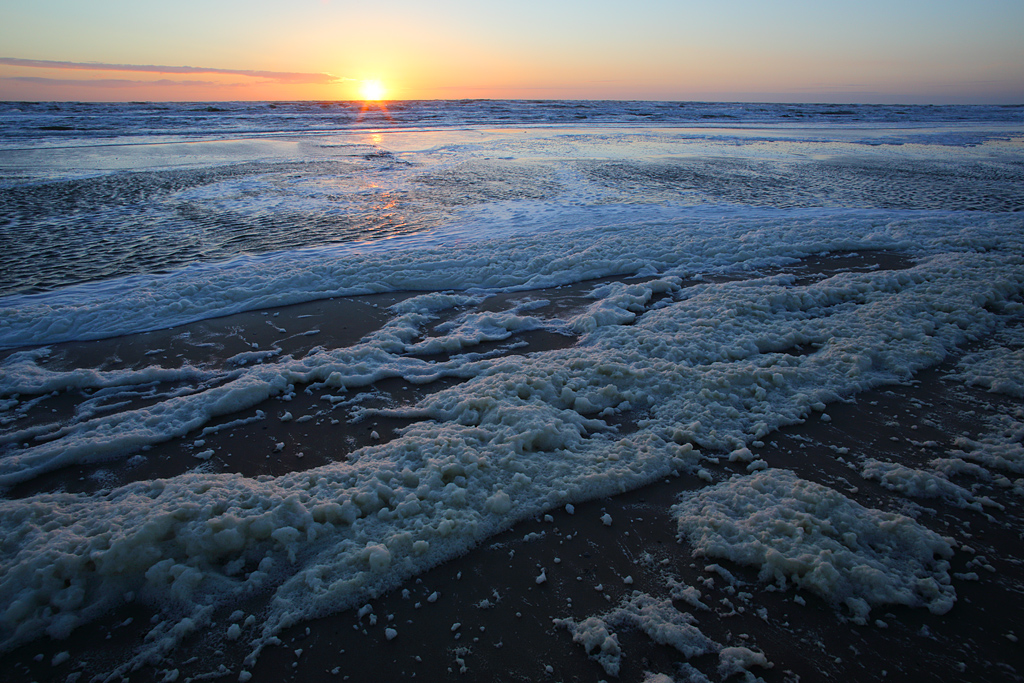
x=100, y=212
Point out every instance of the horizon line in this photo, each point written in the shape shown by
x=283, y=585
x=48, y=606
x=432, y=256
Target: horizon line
x=533, y=99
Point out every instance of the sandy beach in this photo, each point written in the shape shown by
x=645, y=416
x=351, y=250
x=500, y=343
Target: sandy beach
x=508, y=607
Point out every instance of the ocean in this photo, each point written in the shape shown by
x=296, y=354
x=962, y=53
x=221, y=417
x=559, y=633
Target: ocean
x=264, y=364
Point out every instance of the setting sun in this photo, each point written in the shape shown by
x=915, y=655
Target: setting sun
x=372, y=90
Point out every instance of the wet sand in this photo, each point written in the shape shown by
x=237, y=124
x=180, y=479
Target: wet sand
x=484, y=616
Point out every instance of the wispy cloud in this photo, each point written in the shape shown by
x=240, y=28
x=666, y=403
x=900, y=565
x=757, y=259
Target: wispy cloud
x=106, y=82
x=272, y=76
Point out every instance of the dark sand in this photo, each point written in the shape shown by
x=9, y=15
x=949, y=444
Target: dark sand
x=505, y=618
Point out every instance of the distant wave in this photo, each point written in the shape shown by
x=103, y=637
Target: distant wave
x=28, y=122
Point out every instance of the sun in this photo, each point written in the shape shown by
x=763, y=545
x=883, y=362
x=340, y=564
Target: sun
x=371, y=90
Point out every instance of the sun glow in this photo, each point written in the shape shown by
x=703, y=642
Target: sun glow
x=372, y=90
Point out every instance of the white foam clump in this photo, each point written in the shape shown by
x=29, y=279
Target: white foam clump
x=652, y=677
x=103, y=438
x=94, y=439
x=250, y=357
x=1000, y=448
x=818, y=539
x=22, y=374
x=476, y=328
x=738, y=660
x=233, y=424
x=998, y=368
x=685, y=593
x=922, y=484
x=742, y=455
x=466, y=331
x=662, y=623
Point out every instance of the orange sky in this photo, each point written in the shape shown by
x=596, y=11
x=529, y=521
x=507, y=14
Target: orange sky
x=789, y=50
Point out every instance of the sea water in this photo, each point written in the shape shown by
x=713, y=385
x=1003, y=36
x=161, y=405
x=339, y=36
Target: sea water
x=118, y=219
x=130, y=199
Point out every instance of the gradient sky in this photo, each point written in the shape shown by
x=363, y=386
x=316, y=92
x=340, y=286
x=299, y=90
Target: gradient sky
x=906, y=51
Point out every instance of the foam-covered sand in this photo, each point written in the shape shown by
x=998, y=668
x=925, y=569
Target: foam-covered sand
x=817, y=538
x=653, y=374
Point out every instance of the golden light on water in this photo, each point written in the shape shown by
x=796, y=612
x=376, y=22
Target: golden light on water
x=372, y=90
x=375, y=106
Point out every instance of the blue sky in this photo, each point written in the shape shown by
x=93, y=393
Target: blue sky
x=788, y=50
